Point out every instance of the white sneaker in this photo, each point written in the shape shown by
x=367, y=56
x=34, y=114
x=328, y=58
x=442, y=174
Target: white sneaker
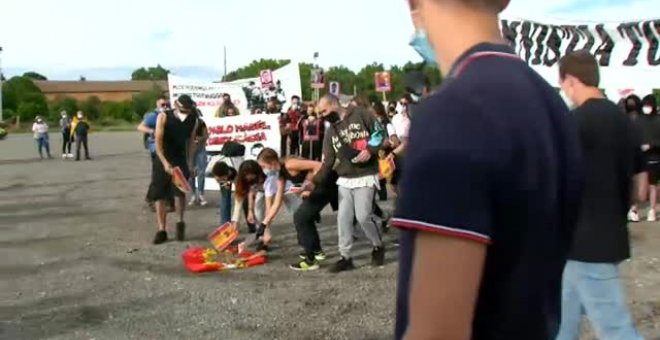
x=633, y=216
x=70, y=156
x=652, y=216
x=193, y=201
x=202, y=201
x=64, y=156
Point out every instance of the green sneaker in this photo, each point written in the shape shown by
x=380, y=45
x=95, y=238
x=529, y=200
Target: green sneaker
x=304, y=266
x=318, y=256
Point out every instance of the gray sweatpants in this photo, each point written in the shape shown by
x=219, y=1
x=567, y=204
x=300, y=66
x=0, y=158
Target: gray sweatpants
x=356, y=204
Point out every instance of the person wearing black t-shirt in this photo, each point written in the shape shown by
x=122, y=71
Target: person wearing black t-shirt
x=490, y=187
x=614, y=168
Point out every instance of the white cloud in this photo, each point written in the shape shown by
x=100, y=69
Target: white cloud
x=78, y=34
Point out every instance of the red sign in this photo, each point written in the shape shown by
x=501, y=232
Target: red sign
x=266, y=77
x=383, y=82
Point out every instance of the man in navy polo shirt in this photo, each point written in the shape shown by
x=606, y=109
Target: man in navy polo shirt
x=490, y=187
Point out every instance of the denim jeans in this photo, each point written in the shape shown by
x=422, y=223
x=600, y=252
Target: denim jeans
x=595, y=289
x=225, y=205
x=200, y=167
x=43, y=143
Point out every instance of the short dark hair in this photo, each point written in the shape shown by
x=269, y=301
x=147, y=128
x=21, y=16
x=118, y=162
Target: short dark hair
x=221, y=169
x=492, y=5
x=295, y=97
x=581, y=65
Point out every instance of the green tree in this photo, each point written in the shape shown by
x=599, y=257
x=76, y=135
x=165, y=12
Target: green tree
x=341, y=74
x=21, y=90
x=91, y=107
x=146, y=101
x=305, y=79
x=151, y=73
x=62, y=103
x=34, y=76
x=118, y=111
x=252, y=70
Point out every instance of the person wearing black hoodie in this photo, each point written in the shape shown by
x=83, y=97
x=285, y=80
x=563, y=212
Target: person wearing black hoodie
x=350, y=148
x=633, y=109
x=651, y=125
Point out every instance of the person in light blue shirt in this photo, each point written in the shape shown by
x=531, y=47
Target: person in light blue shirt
x=148, y=127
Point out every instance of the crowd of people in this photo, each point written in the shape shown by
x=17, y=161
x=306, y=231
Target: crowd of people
x=74, y=130
x=355, y=137
x=512, y=209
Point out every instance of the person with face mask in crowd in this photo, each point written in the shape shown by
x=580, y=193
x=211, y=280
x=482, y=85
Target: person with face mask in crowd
x=65, y=127
x=198, y=181
x=40, y=130
x=614, y=168
x=391, y=109
x=294, y=115
x=80, y=127
x=651, y=125
x=223, y=110
x=485, y=209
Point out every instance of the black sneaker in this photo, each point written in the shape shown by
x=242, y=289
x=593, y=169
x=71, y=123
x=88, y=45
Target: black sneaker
x=180, y=231
x=378, y=256
x=318, y=255
x=262, y=247
x=343, y=264
x=161, y=237
x=305, y=266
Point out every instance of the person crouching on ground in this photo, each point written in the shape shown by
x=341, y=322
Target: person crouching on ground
x=175, y=147
x=249, y=182
x=282, y=173
x=225, y=175
x=80, y=129
x=40, y=129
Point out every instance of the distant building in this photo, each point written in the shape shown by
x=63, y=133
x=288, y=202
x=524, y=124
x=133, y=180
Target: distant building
x=104, y=90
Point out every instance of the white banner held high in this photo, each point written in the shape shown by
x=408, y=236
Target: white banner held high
x=207, y=95
x=287, y=84
x=253, y=131
x=627, y=52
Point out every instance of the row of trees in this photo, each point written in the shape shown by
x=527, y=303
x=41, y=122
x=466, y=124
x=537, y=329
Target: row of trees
x=361, y=82
x=23, y=99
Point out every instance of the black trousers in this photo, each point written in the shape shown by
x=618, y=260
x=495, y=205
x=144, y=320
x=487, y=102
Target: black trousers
x=81, y=140
x=66, y=142
x=305, y=221
x=382, y=193
x=295, y=143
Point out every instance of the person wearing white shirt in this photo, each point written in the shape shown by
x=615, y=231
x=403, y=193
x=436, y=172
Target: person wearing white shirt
x=40, y=130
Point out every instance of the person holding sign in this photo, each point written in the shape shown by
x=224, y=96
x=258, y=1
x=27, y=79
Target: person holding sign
x=175, y=147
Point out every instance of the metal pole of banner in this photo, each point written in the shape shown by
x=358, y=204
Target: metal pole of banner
x=1, y=83
x=384, y=96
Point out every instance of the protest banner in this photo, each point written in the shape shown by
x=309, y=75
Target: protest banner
x=383, y=82
x=266, y=78
x=627, y=52
x=334, y=88
x=286, y=82
x=253, y=131
x=207, y=95
x=318, y=79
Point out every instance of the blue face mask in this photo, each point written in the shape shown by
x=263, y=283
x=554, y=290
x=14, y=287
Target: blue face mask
x=420, y=43
x=269, y=172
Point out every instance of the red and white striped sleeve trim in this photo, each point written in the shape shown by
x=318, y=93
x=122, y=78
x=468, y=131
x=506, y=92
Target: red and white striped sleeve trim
x=442, y=230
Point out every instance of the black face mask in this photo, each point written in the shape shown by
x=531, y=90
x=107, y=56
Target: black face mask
x=332, y=117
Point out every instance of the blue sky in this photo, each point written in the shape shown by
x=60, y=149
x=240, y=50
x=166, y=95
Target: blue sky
x=107, y=39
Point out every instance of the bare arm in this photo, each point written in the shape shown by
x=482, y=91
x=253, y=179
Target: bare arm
x=445, y=281
x=144, y=128
x=160, y=131
x=298, y=165
x=192, y=147
x=274, y=203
